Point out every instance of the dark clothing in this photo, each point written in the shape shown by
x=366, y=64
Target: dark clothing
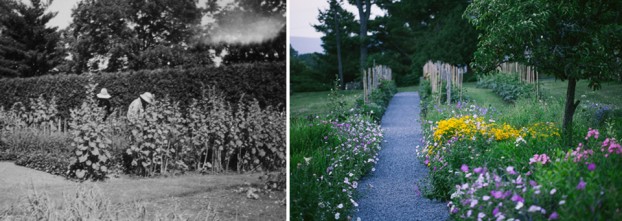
x=105, y=103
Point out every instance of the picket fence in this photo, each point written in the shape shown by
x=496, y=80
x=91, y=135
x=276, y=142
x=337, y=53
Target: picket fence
x=437, y=72
x=372, y=77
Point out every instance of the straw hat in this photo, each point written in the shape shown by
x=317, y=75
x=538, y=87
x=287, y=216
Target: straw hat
x=103, y=94
x=147, y=97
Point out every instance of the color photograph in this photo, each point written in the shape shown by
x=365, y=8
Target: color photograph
x=455, y=110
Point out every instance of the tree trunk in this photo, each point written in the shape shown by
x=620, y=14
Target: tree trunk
x=571, y=106
x=364, y=12
x=340, y=65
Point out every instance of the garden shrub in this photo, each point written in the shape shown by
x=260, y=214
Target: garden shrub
x=33, y=148
x=264, y=82
x=508, y=86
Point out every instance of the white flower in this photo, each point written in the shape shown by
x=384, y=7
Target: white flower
x=336, y=215
x=474, y=203
x=354, y=203
x=340, y=206
x=562, y=202
x=485, y=198
x=519, y=205
x=553, y=191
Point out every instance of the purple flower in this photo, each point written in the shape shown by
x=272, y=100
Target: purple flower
x=554, y=216
x=533, y=183
x=496, y=194
x=517, y=198
x=581, y=185
x=478, y=170
x=510, y=170
x=495, y=211
x=591, y=167
x=464, y=168
x=455, y=210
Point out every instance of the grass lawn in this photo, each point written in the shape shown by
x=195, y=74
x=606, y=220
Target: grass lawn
x=186, y=195
x=313, y=103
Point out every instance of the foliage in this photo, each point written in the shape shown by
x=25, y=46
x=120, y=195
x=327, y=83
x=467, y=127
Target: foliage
x=508, y=86
x=562, y=39
x=214, y=136
x=304, y=75
x=328, y=158
x=27, y=47
x=41, y=150
x=262, y=81
x=91, y=142
x=335, y=20
x=153, y=40
x=476, y=136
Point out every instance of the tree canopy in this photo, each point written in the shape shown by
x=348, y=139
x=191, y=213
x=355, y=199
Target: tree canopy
x=572, y=40
x=27, y=47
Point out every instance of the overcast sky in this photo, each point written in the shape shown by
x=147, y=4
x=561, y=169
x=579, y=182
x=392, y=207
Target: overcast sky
x=63, y=7
x=303, y=14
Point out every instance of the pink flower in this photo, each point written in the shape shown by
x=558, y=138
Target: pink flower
x=510, y=170
x=464, y=168
x=591, y=167
x=592, y=133
x=554, y=216
x=543, y=158
x=581, y=185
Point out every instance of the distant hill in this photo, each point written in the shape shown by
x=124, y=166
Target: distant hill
x=306, y=45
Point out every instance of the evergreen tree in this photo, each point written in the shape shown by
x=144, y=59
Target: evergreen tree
x=27, y=47
x=332, y=21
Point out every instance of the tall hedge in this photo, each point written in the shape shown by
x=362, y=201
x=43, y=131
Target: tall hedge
x=262, y=81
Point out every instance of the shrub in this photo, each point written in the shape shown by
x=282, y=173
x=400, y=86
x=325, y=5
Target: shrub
x=262, y=81
x=508, y=86
x=44, y=151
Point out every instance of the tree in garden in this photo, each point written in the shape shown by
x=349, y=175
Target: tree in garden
x=364, y=9
x=27, y=47
x=415, y=31
x=133, y=34
x=573, y=40
x=100, y=28
x=338, y=26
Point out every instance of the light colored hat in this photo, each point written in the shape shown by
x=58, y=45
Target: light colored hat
x=147, y=97
x=103, y=94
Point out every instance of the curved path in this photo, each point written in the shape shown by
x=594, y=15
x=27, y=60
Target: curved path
x=391, y=192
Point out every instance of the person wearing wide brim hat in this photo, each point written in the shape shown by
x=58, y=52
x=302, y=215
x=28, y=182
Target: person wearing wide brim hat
x=138, y=106
x=103, y=99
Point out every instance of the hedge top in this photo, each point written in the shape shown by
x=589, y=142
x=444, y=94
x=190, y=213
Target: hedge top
x=262, y=81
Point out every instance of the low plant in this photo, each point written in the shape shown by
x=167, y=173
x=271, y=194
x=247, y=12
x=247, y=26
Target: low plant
x=508, y=86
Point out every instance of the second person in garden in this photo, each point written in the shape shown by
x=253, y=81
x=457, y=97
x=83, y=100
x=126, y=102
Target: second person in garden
x=137, y=107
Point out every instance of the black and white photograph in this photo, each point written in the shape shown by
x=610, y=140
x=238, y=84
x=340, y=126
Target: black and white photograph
x=143, y=109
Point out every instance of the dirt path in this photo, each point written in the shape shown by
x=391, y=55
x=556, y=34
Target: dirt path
x=190, y=192
x=391, y=193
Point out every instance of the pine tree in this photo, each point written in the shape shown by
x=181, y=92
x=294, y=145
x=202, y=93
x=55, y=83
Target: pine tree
x=27, y=47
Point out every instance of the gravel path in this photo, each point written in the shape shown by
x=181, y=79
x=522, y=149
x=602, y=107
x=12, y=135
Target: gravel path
x=391, y=193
